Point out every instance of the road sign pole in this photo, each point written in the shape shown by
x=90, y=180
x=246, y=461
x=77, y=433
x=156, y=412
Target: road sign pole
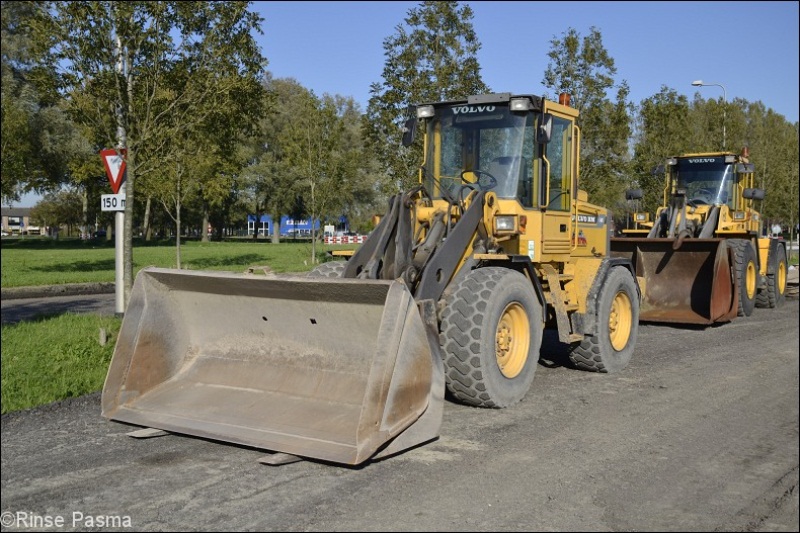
x=119, y=241
x=114, y=161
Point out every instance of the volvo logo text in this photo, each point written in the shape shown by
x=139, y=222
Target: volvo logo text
x=473, y=109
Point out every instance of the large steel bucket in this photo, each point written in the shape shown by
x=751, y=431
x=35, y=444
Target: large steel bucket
x=334, y=369
x=686, y=282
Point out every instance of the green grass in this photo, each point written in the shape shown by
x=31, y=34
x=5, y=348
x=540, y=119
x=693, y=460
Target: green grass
x=42, y=261
x=53, y=358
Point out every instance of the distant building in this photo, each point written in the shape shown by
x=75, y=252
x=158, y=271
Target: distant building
x=289, y=226
x=16, y=221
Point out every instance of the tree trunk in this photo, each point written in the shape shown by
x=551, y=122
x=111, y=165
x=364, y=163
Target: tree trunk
x=313, y=242
x=85, y=234
x=313, y=230
x=147, y=230
x=178, y=230
x=204, y=228
x=127, y=248
x=276, y=229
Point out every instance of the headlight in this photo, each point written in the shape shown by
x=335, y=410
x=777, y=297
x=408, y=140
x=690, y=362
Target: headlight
x=641, y=217
x=520, y=104
x=425, y=111
x=505, y=224
x=738, y=215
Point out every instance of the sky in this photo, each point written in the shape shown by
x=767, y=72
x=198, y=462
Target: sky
x=745, y=49
x=750, y=48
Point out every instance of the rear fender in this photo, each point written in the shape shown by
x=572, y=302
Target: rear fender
x=586, y=323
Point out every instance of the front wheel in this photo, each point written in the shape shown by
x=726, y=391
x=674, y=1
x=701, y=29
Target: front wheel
x=746, y=275
x=611, y=349
x=491, y=334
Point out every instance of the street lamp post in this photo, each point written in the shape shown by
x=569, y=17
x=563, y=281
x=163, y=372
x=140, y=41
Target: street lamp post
x=700, y=83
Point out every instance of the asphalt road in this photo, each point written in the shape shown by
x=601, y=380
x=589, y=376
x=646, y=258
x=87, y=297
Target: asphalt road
x=16, y=310
x=699, y=433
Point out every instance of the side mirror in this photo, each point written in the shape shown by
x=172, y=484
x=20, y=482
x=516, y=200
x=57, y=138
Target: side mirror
x=545, y=129
x=754, y=194
x=658, y=170
x=745, y=168
x=409, y=130
x=634, y=194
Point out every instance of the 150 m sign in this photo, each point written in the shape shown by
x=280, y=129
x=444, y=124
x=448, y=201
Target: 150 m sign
x=112, y=202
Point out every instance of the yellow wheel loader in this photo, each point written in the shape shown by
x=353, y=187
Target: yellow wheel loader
x=453, y=289
x=702, y=256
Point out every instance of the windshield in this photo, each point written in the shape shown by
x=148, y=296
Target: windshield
x=487, y=145
x=707, y=180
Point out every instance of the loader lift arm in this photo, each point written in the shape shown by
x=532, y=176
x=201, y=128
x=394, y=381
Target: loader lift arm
x=426, y=266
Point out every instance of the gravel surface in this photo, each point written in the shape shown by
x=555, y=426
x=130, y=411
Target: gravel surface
x=699, y=433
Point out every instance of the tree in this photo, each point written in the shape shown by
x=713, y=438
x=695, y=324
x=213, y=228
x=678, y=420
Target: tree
x=269, y=175
x=325, y=159
x=662, y=132
x=33, y=124
x=123, y=60
x=19, y=104
x=355, y=193
x=42, y=148
x=433, y=58
x=64, y=207
x=309, y=159
x=606, y=168
x=199, y=160
x=177, y=183
x=583, y=68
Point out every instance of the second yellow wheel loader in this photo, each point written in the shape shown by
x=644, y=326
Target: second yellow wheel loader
x=702, y=257
x=452, y=289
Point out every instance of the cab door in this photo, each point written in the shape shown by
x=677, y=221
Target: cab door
x=556, y=203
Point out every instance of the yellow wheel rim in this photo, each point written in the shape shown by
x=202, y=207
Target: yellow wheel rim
x=512, y=340
x=751, y=280
x=781, y=277
x=620, y=321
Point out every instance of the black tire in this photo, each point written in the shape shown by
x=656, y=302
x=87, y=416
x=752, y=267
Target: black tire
x=331, y=269
x=611, y=349
x=776, y=278
x=491, y=334
x=746, y=275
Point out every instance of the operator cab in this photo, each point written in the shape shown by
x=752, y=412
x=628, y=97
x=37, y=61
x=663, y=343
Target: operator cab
x=707, y=179
x=501, y=143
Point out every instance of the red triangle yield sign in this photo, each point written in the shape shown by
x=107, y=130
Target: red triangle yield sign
x=114, y=161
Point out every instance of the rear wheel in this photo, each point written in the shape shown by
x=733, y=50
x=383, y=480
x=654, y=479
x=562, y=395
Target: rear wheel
x=746, y=275
x=611, y=349
x=491, y=334
x=331, y=269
